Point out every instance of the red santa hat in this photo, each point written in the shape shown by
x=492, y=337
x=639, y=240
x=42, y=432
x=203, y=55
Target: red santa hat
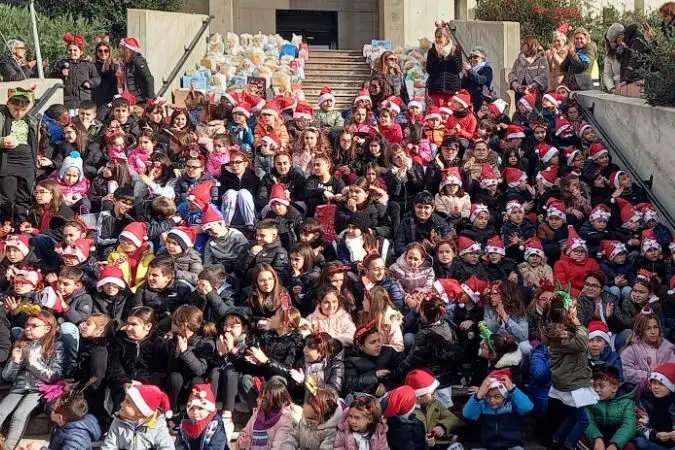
x=596, y=150
x=185, y=236
x=555, y=208
x=433, y=113
x=474, y=288
x=448, y=289
x=242, y=108
x=445, y=109
x=257, y=103
x=548, y=176
x=303, y=111
x=136, y=232
x=463, y=98
x=513, y=176
x=272, y=140
x=363, y=95
x=648, y=212
x=149, y=399
x=546, y=151
x=665, y=374
x=200, y=194
x=476, y=209
x=496, y=382
x=232, y=97
x=467, y=245
x=614, y=178
x=553, y=97
x=18, y=241
x=598, y=328
x=210, y=217
x=29, y=275
x=611, y=248
x=513, y=205
x=393, y=104
x=528, y=101
x=451, y=176
x=326, y=93
x=515, y=132
x=418, y=102
x=421, y=381
x=582, y=129
x=131, y=43
x=111, y=274
x=202, y=397
x=573, y=240
x=563, y=126
x=272, y=108
x=487, y=176
x=79, y=249
x=401, y=401
x=564, y=28
x=533, y=247
x=649, y=241
x=497, y=107
x=571, y=153
x=279, y=194
x=628, y=212
x=286, y=102
x=495, y=245
x=600, y=212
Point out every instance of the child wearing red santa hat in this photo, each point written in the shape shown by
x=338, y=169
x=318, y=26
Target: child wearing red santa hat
x=202, y=427
x=140, y=422
x=574, y=264
x=179, y=246
x=405, y=430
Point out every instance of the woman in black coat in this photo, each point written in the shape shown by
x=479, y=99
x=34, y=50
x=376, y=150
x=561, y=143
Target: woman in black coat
x=444, y=64
x=78, y=73
x=138, y=79
x=478, y=79
x=107, y=71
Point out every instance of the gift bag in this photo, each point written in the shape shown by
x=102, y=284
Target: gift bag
x=325, y=214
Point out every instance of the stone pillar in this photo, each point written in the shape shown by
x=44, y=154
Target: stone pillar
x=405, y=22
x=223, y=12
x=392, y=23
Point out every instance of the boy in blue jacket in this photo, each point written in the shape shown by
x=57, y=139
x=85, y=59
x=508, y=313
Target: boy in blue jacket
x=500, y=407
x=76, y=429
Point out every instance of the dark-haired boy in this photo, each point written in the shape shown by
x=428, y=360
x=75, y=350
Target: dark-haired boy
x=423, y=226
x=87, y=117
x=214, y=294
x=18, y=157
x=121, y=113
x=267, y=249
x=111, y=223
x=76, y=428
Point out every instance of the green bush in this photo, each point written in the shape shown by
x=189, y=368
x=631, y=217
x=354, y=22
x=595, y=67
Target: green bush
x=17, y=25
x=657, y=69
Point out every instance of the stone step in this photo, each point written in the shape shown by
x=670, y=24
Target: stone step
x=324, y=53
x=335, y=85
x=327, y=69
x=336, y=59
x=339, y=95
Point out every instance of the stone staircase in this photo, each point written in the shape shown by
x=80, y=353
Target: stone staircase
x=344, y=71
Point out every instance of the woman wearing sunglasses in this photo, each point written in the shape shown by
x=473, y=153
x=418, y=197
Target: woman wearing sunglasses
x=389, y=67
x=106, y=66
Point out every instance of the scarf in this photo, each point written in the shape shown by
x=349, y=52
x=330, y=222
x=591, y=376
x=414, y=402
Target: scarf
x=44, y=220
x=445, y=51
x=355, y=246
x=478, y=66
x=195, y=428
x=315, y=371
x=528, y=60
x=362, y=441
x=266, y=420
x=134, y=259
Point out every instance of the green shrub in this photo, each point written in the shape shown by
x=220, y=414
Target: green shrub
x=657, y=69
x=17, y=25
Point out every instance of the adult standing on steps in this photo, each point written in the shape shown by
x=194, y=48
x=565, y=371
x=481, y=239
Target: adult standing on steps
x=444, y=64
x=134, y=75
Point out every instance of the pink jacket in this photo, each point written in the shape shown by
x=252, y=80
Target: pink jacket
x=82, y=187
x=640, y=359
x=271, y=438
x=340, y=325
x=345, y=437
x=137, y=160
x=392, y=133
x=216, y=161
x=413, y=280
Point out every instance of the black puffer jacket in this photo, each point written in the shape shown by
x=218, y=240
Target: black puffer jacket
x=79, y=72
x=294, y=181
x=284, y=353
x=412, y=230
x=105, y=92
x=478, y=235
x=118, y=307
x=195, y=361
x=273, y=254
x=378, y=218
x=214, y=304
x=443, y=71
x=129, y=360
x=92, y=157
x=164, y=302
x=92, y=361
x=334, y=371
x=11, y=70
x=434, y=349
x=360, y=370
x=140, y=81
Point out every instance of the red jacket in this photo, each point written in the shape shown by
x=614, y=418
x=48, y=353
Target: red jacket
x=566, y=270
x=466, y=124
x=392, y=133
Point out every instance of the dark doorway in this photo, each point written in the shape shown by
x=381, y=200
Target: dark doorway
x=318, y=28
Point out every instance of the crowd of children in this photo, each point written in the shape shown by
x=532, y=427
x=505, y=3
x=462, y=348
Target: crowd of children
x=337, y=275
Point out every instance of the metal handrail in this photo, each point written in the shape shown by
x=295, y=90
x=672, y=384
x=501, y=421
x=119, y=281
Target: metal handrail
x=44, y=98
x=186, y=53
x=626, y=165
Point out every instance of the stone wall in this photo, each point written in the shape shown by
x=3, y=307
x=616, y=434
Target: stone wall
x=166, y=34
x=645, y=136
x=40, y=87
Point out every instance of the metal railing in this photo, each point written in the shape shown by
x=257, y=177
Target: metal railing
x=44, y=98
x=186, y=53
x=626, y=165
